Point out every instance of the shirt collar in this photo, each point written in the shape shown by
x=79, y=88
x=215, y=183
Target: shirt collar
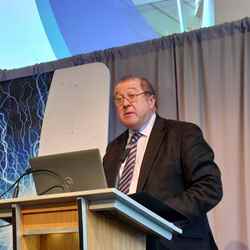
x=146, y=128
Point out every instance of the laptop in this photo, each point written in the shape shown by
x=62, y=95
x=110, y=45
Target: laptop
x=68, y=172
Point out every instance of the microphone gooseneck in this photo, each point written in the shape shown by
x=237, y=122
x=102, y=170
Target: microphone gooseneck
x=29, y=171
x=125, y=153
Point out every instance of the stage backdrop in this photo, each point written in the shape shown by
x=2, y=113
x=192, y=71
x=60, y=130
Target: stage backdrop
x=201, y=76
x=66, y=108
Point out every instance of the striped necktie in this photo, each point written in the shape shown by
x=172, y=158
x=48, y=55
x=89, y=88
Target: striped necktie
x=127, y=173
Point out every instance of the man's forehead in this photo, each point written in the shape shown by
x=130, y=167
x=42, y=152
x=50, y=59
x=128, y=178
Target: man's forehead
x=131, y=84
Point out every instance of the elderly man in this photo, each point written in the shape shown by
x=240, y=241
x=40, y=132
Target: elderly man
x=170, y=160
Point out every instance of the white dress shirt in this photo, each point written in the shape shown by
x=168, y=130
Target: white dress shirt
x=141, y=147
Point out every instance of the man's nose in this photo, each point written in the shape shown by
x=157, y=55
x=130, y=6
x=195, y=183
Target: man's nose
x=126, y=102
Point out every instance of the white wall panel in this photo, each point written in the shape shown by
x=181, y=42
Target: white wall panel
x=76, y=115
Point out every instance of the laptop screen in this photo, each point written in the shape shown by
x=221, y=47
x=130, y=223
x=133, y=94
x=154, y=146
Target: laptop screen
x=68, y=172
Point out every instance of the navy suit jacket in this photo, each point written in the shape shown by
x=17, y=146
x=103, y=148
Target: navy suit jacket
x=178, y=168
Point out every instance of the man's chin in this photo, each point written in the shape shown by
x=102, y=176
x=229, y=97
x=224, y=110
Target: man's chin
x=132, y=124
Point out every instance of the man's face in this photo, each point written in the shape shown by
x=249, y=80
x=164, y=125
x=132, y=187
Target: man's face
x=133, y=110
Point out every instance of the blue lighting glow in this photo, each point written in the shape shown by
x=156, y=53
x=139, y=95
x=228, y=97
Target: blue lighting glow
x=22, y=105
x=35, y=31
x=23, y=39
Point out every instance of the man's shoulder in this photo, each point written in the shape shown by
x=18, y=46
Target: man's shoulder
x=172, y=124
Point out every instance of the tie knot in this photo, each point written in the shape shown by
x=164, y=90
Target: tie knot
x=135, y=137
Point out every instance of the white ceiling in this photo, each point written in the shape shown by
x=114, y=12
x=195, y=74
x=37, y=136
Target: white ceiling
x=164, y=17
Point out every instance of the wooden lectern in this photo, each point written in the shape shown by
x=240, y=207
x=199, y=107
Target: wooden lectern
x=103, y=219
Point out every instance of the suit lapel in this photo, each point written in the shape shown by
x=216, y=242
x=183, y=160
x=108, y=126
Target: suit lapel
x=153, y=146
x=116, y=161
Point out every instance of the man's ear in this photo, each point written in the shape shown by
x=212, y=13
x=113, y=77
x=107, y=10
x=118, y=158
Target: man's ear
x=152, y=101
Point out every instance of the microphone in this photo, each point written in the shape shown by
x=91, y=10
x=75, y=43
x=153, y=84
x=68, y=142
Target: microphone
x=125, y=153
x=122, y=160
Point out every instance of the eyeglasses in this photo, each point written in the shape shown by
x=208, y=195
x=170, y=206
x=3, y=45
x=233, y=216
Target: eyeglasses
x=131, y=97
